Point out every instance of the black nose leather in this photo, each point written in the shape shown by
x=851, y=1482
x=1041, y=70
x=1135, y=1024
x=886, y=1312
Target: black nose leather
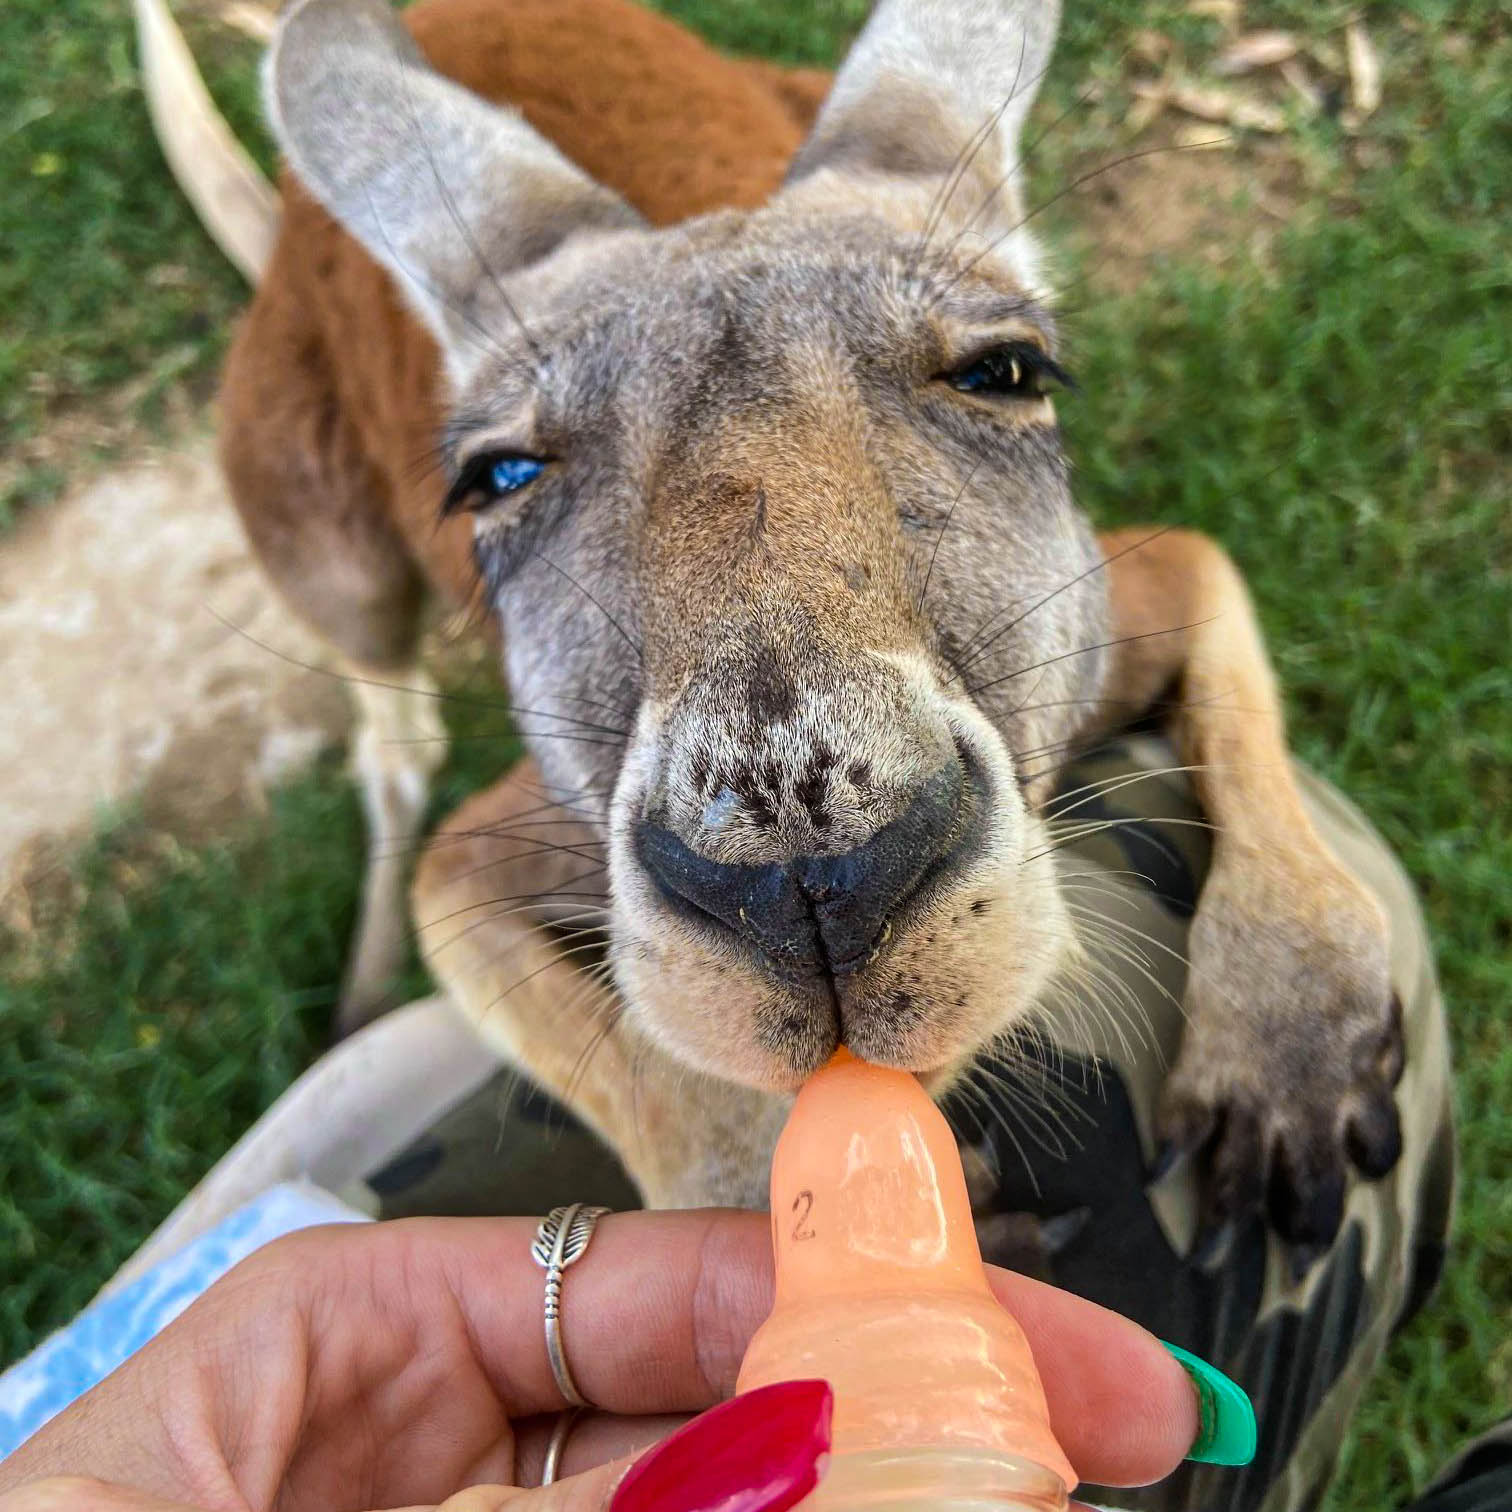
x=815, y=914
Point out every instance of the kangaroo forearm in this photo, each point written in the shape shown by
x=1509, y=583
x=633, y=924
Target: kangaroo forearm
x=1190, y=643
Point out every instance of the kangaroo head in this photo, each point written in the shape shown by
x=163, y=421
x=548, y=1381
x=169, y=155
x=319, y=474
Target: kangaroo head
x=772, y=510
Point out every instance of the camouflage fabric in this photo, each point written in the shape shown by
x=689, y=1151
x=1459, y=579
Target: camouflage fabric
x=1477, y=1479
x=1057, y=1144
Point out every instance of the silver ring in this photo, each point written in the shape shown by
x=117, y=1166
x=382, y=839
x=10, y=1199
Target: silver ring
x=559, y=1242
x=565, y=1423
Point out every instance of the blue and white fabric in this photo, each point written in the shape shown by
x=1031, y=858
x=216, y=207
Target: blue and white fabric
x=114, y=1326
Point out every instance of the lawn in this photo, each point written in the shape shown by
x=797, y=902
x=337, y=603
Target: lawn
x=1327, y=393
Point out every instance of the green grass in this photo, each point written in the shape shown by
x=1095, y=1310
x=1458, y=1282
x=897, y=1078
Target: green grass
x=197, y=987
x=106, y=277
x=1336, y=414
x=1341, y=424
x=164, y=997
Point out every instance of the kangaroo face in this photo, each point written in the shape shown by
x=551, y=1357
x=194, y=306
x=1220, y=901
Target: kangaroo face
x=794, y=548
x=773, y=512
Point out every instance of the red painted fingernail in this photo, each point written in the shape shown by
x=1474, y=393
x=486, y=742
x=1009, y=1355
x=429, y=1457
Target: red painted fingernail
x=761, y=1452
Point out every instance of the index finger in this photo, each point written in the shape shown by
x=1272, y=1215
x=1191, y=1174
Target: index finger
x=657, y=1314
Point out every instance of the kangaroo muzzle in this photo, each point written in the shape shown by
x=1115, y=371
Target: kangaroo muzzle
x=818, y=916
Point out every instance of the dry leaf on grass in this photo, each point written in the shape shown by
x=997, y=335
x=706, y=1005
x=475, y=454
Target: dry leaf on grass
x=1150, y=46
x=1294, y=71
x=1149, y=105
x=1194, y=138
x=1209, y=103
x=1325, y=53
x=1364, y=70
x=1143, y=114
x=1255, y=50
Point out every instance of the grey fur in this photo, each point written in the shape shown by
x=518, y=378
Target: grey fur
x=938, y=90
x=446, y=191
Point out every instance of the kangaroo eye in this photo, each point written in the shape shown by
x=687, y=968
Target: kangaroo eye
x=1016, y=370
x=510, y=473
x=491, y=476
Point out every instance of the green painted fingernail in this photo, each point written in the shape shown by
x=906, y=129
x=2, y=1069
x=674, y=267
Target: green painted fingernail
x=1227, y=1434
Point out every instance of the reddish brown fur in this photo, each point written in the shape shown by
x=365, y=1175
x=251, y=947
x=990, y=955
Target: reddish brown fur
x=331, y=387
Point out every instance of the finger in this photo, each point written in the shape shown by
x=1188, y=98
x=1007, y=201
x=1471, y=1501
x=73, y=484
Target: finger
x=593, y=1439
x=655, y=1316
x=658, y=1312
x=1123, y=1410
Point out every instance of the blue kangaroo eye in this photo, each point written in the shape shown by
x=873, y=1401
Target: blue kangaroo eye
x=511, y=473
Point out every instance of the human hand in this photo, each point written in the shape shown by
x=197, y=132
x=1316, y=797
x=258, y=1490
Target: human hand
x=404, y=1364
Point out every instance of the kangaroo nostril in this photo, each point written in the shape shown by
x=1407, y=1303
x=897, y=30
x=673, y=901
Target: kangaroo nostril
x=816, y=915
x=856, y=894
x=761, y=903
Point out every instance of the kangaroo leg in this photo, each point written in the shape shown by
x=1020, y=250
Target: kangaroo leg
x=510, y=901
x=1293, y=1039
x=316, y=511
x=400, y=742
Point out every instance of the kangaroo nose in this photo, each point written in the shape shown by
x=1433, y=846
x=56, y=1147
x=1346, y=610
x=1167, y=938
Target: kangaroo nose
x=815, y=913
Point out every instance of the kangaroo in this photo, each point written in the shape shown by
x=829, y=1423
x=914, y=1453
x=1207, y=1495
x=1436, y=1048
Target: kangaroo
x=726, y=395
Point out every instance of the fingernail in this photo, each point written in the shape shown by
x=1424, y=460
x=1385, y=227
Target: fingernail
x=1227, y=1432
x=761, y=1452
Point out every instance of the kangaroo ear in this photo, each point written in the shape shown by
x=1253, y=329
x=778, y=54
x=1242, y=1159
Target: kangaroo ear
x=936, y=88
x=445, y=190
